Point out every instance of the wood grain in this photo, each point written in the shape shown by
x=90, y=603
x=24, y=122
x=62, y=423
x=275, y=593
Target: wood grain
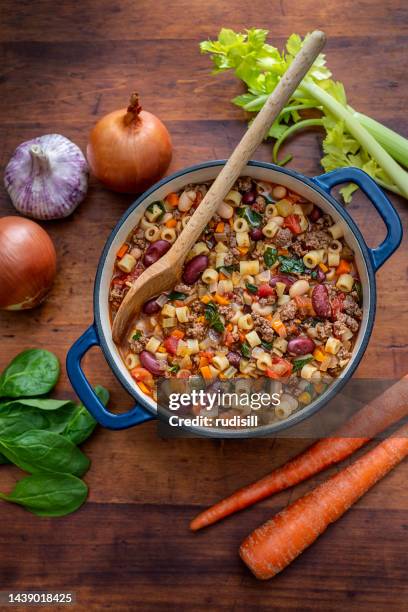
x=65, y=64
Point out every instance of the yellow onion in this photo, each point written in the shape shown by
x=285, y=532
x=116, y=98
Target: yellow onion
x=28, y=263
x=129, y=149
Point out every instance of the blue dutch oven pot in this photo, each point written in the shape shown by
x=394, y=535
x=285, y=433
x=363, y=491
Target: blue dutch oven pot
x=316, y=190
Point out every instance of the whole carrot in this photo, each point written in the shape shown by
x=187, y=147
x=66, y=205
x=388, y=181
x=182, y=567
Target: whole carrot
x=272, y=546
x=383, y=411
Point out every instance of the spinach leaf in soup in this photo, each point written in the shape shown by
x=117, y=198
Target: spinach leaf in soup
x=291, y=265
x=33, y=372
x=49, y=494
x=39, y=450
x=270, y=256
x=252, y=216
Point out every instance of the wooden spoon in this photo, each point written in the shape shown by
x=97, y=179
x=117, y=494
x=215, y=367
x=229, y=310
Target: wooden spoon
x=166, y=271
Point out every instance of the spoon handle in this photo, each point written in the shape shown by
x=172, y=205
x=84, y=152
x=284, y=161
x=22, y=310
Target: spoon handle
x=249, y=143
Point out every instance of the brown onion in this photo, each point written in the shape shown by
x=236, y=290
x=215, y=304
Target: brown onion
x=28, y=263
x=129, y=149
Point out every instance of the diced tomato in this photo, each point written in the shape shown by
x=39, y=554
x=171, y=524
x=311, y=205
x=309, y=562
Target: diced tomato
x=229, y=339
x=304, y=304
x=170, y=344
x=292, y=222
x=265, y=290
x=281, y=367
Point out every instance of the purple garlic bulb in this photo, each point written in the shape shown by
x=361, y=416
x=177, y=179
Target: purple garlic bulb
x=47, y=177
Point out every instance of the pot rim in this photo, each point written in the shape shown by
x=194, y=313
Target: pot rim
x=334, y=388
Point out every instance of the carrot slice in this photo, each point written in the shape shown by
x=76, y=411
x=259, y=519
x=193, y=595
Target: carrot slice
x=206, y=372
x=383, y=411
x=122, y=251
x=144, y=388
x=172, y=199
x=171, y=223
x=178, y=333
x=343, y=268
x=219, y=227
x=220, y=299
x=274, y=545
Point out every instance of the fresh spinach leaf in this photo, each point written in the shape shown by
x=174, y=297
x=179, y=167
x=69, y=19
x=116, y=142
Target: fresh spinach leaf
x=137, y=335
x=245, y=350
x=176, y=295
x=15, y=420
x=32, y=372
x=299, y=363
x=39, y=403
x=268, y=346
x=38, y=450
x=228, y=270
x=213, y=317
x=251, y=288
x=48, y=494
x=270, y=256
x=291, y=265
x=82, y=423
x=3, y=459
x=174, y=368
x=252, y=216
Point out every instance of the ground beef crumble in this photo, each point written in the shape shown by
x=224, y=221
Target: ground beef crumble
x=267, y=301
x=137, y=346
x=196, y=330
x=288, y=311
x=182, y=288
x=351, y=307
x=344, y=322
x=324, y=329
x=259, y=205
x=139, y=239
x=263, y=326
x=226, y=311
x=283, y=238
x=317, y=239
x=244, y=183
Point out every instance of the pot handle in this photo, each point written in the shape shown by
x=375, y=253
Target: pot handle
x=88, y=397
x=377, y=197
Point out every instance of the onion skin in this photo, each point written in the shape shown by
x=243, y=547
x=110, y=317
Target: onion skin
x=129, y=149
x=28, y=263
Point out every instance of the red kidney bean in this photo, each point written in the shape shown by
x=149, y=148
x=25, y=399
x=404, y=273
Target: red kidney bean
x=151, y=307
x=249, y=197
x=155, y=251
x=234, y=358
x=281, y=278
x=301, y=346
x=321, y=302
x=315, y=214
x=149, y=361
x=256, y=234
x=194, y=268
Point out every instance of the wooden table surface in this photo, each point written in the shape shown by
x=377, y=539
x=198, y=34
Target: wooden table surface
x=66, y=64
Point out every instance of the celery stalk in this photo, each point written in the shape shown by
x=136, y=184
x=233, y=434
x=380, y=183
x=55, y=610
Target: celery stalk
x=395, y=144
x=397, y=174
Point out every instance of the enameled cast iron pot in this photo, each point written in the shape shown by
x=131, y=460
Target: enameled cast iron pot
x=316, y=190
